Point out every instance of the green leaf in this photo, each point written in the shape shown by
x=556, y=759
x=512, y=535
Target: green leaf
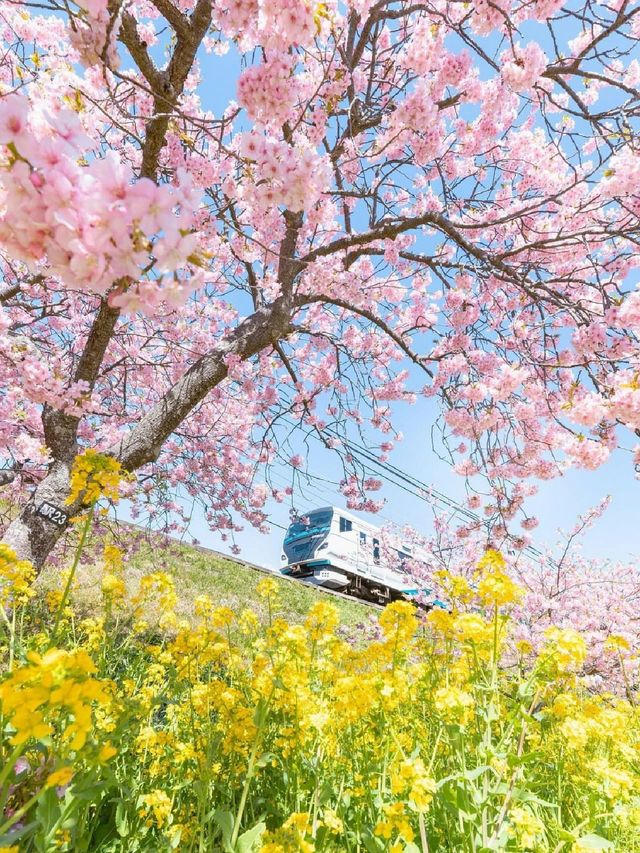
x=524, y=796
x=477, y=771
x=265, y=759
x=595, y=842
x=90, y=793
x=515, y=760
x=175, y=839
x=225, y=822
x=48, y=811
x=248, y=839
x=371, y=843
x=14, y=835
x=122, y=820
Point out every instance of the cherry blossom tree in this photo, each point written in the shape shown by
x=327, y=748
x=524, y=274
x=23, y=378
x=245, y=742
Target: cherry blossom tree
x=559, y=587
x=403, y=198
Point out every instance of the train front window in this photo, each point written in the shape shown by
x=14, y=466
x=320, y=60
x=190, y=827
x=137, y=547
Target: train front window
x=320, y=519
x=305, y=535
x=309, y=523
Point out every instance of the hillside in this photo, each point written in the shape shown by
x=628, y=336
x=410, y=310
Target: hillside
x=228, y=581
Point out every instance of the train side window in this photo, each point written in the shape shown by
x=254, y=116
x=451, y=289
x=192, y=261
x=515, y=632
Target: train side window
x=363, y=538
x=376, y=551
x=403, y=556
x=345, y=525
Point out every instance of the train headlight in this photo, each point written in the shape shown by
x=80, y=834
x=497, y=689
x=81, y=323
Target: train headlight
x=324, y=545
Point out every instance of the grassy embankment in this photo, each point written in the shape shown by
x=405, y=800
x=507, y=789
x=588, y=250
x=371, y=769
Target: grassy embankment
x=196, y=573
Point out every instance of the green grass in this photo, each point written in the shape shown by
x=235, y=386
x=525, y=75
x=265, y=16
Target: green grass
x=233, y=585
x=196, y=573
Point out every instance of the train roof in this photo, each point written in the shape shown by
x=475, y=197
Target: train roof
x=365, y=525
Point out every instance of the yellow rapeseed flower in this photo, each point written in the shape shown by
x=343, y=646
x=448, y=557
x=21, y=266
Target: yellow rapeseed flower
x=113, y=558
x=54, y=691
x=410, y=777
x=156, y=807
x=292, y=836
x=615, y=783
x=113, y=587
x=157, y=588
x=526, y=828
x=472, y=628
x=107, y=752
x=60, y=778
x=398, y=621
x=616, y=643
x=566, y=649
x=453, y=704
x=321, y=620
x=331, y=820
x=395, y=823
x=497, y=589
x=442, y=622
x=492, y=560
x=16, y=578
x=93, y=476
x=222, y=617
x=267, y=588
x=575, y=732
x=454, y=587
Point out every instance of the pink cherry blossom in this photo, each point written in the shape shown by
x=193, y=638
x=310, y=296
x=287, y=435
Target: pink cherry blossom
x=231, y=228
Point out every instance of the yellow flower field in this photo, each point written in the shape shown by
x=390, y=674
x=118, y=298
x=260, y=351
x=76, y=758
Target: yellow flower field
x=137, y=731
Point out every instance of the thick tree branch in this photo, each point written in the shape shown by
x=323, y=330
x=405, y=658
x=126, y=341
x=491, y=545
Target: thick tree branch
x=288, y=267
x=60, y=429
x=178, y=21
x=8, y=293
x=257, y=332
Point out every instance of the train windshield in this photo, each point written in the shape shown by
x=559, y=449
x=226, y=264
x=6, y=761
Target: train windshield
x=303, y=536
x=309, y=523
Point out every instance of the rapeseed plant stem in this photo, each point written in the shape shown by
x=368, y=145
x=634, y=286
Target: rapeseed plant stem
x=84, y=531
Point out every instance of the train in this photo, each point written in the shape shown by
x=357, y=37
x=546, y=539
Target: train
x=336, y=549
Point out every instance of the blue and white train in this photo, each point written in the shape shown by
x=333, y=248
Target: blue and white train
x=333, y=548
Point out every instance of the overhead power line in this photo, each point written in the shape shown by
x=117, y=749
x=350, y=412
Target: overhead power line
x=414, y=486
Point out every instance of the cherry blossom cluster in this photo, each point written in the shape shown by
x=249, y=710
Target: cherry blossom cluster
x=94, y=33
x=267, y=91
x=293, y=176
x=273, y=24
x=90, y=222
x=523, y=66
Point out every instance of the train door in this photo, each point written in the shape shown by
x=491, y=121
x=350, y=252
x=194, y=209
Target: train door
x=347, y=539
x=364, y=553
x=377, y=569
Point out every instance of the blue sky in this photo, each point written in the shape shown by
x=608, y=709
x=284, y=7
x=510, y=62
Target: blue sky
x=557, y=505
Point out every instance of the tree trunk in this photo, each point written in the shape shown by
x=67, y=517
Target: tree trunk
x=32, y=536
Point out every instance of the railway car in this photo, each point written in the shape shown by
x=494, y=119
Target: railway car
x=333, y=548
